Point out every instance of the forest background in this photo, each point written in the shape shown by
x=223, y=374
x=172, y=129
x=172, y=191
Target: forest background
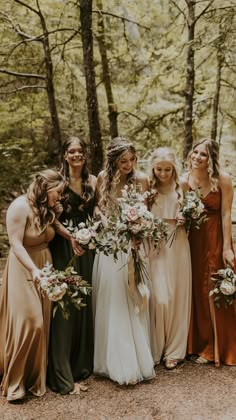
x=160, y=72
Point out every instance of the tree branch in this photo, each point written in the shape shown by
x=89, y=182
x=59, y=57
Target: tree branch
x=17, y=74
x=22, y=88
x=120, y=17
x=204, y=11
x=177, y=7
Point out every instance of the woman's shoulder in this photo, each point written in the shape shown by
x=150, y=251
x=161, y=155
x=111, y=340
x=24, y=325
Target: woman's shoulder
x=225, y=180
x=93, y=180
x=19, y=207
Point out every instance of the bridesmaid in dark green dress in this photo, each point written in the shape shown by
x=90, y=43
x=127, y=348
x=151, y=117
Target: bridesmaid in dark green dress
x=71, y=341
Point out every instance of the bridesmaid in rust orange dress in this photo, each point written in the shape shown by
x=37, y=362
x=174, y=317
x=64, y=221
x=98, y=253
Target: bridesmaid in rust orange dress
x=212, y=334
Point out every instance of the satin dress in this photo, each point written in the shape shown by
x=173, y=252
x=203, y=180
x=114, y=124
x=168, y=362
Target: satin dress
x=24, y=321
x=71, y=341
x=171, y=278
x=212, y=333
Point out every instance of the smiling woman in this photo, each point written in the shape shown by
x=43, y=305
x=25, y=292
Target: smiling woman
x=24, y=314
x=122, y=344
x=212, y=335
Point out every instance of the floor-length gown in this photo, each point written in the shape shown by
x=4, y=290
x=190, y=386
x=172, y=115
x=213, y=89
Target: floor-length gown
x=122, y=344
x=71, y=341
x=24, y=321
x=212, y=332
x=171, y=286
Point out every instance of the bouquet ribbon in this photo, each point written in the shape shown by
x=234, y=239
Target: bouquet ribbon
x=138, y=290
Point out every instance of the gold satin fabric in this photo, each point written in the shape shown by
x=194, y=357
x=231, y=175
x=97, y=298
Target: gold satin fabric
x=24, y=322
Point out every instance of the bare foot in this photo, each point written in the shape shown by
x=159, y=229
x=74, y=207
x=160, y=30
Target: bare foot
x=78, y=388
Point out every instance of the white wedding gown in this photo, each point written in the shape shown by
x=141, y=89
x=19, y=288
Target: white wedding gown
x=122, y=346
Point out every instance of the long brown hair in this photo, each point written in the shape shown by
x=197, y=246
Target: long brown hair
x=116, y=148
x=37, y=195
x=212, y=148
x=87, y=189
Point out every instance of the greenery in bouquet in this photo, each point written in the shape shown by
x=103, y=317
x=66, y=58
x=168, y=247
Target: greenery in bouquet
x=63, y=288
x=224, y=287
x=87, y=234
x=192, y=209
x=133, y=224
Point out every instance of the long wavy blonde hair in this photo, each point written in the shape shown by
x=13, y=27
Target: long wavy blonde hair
x=212, y=148
x=111, y=178
x=37, y=195
x=159, y=155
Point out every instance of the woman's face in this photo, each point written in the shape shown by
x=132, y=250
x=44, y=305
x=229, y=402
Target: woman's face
x=75, y=155
x=163, y=171
x=126, y=163
x=199, y=157
x=55, y=195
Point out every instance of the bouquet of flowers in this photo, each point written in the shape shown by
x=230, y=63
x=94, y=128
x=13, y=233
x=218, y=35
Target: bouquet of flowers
x=87, y=234
x=63, y=288
x=224, y=286
x=133, y=223
x=132, y=226
x=192, y=209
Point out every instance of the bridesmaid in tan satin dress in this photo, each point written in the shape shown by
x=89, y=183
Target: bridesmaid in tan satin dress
x=212, y=335
x=170, y=268
x=24, y=314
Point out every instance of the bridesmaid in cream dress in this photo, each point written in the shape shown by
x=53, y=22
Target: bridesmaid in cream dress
x=171, y=267
x=24, y=314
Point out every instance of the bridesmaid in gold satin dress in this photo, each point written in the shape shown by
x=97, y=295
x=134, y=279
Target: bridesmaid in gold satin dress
x=212, y=335
x=24, y=314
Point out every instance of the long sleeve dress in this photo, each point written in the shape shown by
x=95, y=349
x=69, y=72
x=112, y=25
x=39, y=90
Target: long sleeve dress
x=24, y=321
x=212, y=333
x=71, y=341
x=171, y=286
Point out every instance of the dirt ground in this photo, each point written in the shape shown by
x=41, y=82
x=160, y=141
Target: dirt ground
x=190, y=392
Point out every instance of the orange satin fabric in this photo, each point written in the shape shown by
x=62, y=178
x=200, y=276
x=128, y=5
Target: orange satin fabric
x=212, y=333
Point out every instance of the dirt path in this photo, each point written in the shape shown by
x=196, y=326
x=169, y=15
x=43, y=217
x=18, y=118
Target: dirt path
x=191, y=392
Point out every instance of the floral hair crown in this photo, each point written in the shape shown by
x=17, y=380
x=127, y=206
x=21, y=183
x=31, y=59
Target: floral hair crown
x=119, y=147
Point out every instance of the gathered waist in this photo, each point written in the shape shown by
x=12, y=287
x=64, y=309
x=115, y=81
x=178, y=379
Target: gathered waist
x=35, y=248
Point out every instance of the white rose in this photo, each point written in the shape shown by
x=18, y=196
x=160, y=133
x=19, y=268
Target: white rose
x=227, y=288
x=57, y=293
x=83, y=236
x=132, y=214
x=136, y=228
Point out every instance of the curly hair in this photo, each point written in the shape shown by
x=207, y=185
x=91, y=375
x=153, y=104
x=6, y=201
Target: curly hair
x=159, y=155
x=87, y=189
x=115, y=149
x=212, y=148
x=37, y=195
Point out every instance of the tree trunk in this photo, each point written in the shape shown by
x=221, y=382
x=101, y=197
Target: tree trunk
x=56, y=131
x=92, y=102
x=216, y=99
x=190, y=79
x=112, y=107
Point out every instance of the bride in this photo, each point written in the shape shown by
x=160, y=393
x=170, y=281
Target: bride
x=122, y=346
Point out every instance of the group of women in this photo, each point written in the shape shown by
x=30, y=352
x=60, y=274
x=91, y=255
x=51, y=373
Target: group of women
x=109, y=336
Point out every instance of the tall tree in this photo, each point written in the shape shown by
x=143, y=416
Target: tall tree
x=92, y=102
x=106, y=76
x=48, y=77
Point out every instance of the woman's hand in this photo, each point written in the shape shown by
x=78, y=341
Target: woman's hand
x=36, y=274
x=228, y=258
x=181, y=220
x=78, y=250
